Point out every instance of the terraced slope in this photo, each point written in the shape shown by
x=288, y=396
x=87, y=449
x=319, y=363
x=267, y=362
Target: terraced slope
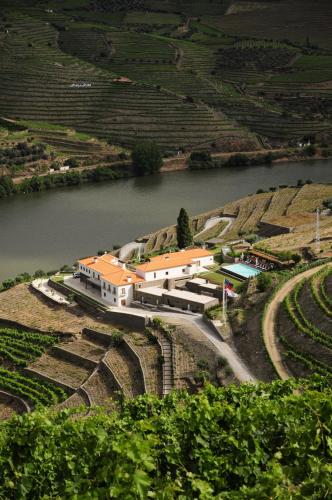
x=305, y=328
x=149, y=355
x=100, y=389
x=40, y=82
x=273, y=206
x=27, y=307
x=9, y=406
x=287, y=19
x=60, y=64
x=126, y=370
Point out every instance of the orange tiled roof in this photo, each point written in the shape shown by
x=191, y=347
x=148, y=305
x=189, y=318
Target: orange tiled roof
x=175, y=259
x=107, y=266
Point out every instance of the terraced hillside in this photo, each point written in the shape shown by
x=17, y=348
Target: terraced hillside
x=40, y=82
x=184, y=74
x=286, y=206
x=19, y=390
x=283, y=206
x=61, y=356
x=305, y=326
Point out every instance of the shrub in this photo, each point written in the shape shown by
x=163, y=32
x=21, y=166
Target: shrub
x=251, y=238
x=310, y=150
x=116, y=338
x=200, y=156
x=296, y=258
x=146, y=158
x=203, y=364
x=222, y=362
x=72, y=163
x=264, y=281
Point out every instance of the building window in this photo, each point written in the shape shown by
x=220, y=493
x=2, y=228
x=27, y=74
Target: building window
x=123, y=291
x=93, y=275
x=104, y=294
x=154, y=275
x=104, y=285
x=114, y=300
x=114, y=290
x=166, y=273
x=184, y=270
x=109, y=288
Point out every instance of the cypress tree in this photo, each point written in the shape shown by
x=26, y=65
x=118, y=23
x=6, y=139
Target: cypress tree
x=183, y=232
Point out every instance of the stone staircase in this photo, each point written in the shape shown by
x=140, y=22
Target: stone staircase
x=167, y=369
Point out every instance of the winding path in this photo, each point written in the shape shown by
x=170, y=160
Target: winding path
x=239, y=368
x=129, y=248
x=270, y=321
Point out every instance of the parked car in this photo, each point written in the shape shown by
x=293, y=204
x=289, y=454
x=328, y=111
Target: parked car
x=76, y=275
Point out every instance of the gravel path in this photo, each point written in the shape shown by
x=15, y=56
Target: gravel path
x=239, y=368
x=270, y=321
x=126, y=250
x=213, y=221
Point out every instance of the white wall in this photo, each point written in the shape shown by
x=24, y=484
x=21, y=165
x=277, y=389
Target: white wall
x=92, y=275
x=205, y=261
x=114, y=295
x=176, y=272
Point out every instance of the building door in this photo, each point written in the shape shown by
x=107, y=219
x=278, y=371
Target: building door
x=123, y=302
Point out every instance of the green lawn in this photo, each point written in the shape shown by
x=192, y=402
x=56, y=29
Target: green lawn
x=218, y=278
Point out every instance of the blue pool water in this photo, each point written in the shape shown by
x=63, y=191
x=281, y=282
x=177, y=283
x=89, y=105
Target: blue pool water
x=243, y=270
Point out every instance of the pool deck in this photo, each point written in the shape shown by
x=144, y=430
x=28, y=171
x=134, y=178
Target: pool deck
x=235, y=270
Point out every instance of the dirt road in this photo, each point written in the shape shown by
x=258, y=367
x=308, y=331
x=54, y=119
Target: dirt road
x=270, y=320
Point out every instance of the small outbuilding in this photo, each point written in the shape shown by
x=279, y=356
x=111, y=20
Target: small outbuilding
x=181, y=299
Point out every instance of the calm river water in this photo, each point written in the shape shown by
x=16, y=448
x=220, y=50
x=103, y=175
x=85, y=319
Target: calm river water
x=47, y=230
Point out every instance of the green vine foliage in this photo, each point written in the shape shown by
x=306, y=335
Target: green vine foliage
x=34, y=391
x=299, y=319
x=319, y=293
x=249, y=442
x=23, y=347
x=326, y=297
x=306, y=359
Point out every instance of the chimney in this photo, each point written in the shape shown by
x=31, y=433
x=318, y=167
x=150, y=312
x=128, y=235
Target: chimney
x=129, y=279
x=95, y=259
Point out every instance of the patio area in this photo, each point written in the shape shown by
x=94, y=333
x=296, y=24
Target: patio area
x=76, y=285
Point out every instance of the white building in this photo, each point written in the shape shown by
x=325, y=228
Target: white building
x=116, y=282
x=175, y=265
x=111, y=276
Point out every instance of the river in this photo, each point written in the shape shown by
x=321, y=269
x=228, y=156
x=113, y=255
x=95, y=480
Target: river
x=47, y=230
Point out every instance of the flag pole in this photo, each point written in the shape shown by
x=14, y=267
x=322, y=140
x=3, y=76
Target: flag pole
x=224, y=302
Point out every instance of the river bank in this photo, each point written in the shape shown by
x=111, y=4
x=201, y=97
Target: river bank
x=125, y=169
x=45, y=232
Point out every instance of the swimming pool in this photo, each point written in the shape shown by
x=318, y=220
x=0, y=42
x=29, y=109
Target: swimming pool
x=242, y=270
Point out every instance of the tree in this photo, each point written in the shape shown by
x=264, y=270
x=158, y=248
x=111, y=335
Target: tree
x=7, y=185
x=72, y=163
x=146, y=158
x=264, y=281
x=183, y=231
